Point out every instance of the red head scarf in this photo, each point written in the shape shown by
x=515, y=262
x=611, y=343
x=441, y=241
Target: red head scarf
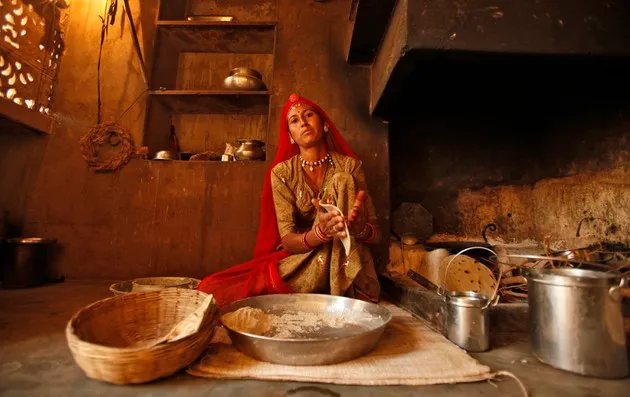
x=260, y=275
x=268, y=236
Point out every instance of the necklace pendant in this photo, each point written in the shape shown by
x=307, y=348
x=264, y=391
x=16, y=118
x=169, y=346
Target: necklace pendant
x=311, y=168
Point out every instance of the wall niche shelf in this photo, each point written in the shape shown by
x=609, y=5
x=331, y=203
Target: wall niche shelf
x=191, y=60
x=213, y=101
x=231, y=37
x=232, y=24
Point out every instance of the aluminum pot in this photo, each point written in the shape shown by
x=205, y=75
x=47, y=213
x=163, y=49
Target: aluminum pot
x=576, y=322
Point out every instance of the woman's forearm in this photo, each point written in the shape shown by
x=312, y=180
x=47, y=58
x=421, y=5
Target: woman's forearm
x=299, y=243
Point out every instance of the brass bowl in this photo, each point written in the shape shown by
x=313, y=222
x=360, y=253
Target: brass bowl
x=246, y=79
x=250, y=149
x=246, y=72
x=164, y=155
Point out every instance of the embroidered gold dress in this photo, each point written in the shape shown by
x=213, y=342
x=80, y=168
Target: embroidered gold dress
x=326, y=269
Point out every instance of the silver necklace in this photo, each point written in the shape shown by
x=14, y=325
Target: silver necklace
x=312, y=164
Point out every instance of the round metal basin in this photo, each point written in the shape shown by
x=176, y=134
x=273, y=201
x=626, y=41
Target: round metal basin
x=366, y=323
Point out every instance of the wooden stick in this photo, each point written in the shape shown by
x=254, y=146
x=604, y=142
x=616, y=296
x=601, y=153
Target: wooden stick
x=514, y=280
x=517, y=294
x=136, y=44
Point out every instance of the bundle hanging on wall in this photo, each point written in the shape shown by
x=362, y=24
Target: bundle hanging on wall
x=113, y=135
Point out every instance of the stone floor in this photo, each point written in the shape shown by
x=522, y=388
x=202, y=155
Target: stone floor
x=35, y=361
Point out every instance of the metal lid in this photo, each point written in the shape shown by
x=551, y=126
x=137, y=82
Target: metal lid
x=31, y=240
x=466, y=298
x=573, y=277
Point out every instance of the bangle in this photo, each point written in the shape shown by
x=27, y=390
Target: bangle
x=310, y=247
x=364, y=233
x=320, y=235
x=368, y=234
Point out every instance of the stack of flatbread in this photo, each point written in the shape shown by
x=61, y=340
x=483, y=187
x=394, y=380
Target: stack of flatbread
x=466, y=274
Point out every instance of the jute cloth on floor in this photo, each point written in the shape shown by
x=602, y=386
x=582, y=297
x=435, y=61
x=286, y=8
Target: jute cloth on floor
x=409, y=353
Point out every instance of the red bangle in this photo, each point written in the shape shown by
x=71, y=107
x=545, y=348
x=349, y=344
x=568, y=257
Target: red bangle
x=310, y=247
x=364, y=232
x=320, y=235
x=369, y=236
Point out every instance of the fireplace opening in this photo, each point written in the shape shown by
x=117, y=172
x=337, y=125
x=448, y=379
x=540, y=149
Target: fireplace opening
x=533, y=144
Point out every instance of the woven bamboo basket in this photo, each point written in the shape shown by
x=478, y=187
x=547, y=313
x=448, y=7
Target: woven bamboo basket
x=126, y=287
x=102, y=336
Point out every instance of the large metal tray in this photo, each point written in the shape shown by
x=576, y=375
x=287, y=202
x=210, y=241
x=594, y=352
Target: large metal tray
x=366, y=323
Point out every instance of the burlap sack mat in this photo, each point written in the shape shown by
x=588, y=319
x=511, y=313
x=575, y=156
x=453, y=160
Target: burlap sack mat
x=409, y=353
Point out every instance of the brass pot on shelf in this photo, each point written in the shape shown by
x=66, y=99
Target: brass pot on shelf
x=250, y=149
x=246, y=79
x=165, y=155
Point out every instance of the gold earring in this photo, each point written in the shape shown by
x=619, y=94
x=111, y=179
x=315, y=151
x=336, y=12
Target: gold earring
x=326, y=128
x=291, y=139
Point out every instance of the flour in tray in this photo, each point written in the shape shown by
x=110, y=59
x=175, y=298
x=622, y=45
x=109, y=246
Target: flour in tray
x=290, y=324
x=299, y=324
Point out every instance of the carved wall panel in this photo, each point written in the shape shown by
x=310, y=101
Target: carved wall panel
x=31, y=45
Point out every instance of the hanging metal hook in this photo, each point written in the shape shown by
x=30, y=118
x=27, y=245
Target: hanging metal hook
x=492, y=227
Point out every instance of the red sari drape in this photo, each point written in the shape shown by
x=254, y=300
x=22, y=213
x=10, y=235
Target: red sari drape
x=260, y=276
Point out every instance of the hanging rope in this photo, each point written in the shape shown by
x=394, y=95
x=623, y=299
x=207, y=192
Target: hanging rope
x=111, y=136
x=108, y=18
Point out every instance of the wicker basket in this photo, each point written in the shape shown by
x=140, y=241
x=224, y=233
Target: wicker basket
x=126, y=287
x=101, y=336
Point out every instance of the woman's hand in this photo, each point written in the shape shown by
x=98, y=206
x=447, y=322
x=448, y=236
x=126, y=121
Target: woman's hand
x=331, y=224
x=356, y=218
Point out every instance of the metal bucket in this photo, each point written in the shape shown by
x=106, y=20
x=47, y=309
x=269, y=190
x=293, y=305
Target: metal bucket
x=468, y=314
x=468, y=320
x=27, y=262
x=576, y=321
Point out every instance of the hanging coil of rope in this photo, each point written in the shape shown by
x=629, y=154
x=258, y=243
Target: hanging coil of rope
x=109, y=135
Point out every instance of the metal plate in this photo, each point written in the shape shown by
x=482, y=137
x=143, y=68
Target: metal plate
x=363, y=326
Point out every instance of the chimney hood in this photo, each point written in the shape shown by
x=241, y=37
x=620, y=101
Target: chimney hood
x=466, y=48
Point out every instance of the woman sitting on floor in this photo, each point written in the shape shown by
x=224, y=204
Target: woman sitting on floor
x=299, y=245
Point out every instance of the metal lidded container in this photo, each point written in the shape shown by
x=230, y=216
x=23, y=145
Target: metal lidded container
x=576, y=321
x=27, y=263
